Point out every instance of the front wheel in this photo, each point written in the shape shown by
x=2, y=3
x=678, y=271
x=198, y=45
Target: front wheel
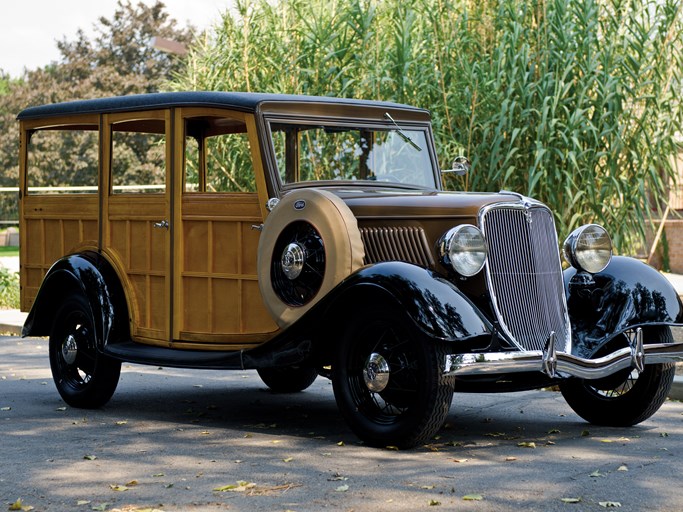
x=84, y=377
x=626, y=397
x=388, y=381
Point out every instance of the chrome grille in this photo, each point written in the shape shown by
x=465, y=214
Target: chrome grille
x=396, y=243
x=525, y=276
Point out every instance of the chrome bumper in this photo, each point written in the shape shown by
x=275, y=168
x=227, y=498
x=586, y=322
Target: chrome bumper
x=561, y=364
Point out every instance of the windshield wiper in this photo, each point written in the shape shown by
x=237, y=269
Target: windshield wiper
x=401, y=133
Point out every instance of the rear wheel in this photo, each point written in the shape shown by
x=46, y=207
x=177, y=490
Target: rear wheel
x=388, y=381
x=84, y=377
x=627, y=397
x=289, y=379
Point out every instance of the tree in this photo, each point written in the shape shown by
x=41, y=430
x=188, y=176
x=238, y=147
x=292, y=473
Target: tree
x=118, y=60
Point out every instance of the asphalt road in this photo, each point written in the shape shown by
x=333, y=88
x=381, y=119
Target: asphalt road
x=169, y=438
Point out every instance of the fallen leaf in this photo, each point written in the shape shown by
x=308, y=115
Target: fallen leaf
x=132, y=483
x=241, y=486
x=623, y=467
x=510, y=459
x=434, y=503
x=428, y=487
x=585, y=433
x=90, y=457
x=460, y=460
x=525, y=444
x=101, y=507
x=118, y=488
x=340, y=443
x=5, y=408
x=122, y=422
x=16, y=505
x=342, y=488
x=336, y=478
x=473, y=497
x=288, y=459
x=571, y=500
x=596, y=474
x=392, y=447
x=609, y=504
x=158, y=475
x=60, y=409
x=553, y=431
x=80, y=503
x=664, y=434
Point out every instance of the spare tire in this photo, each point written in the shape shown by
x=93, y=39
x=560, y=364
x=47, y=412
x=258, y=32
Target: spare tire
x=309, y=243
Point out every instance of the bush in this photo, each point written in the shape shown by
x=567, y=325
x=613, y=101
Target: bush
x=9, y=289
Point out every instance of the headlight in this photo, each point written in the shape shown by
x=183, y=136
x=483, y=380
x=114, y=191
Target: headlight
x=464, y=248
x=588, y=248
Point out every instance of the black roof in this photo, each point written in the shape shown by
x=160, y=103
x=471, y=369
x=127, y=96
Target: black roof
x=244, y=101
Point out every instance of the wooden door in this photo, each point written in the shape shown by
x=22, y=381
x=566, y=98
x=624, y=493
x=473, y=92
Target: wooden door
x=220, y=193
x=137, y=230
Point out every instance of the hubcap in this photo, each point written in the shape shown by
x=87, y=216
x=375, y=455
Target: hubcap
x=69, y=349
x=292, y=261
x=376, y=373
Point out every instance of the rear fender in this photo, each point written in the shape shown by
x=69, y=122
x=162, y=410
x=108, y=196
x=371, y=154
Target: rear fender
x=90, y=275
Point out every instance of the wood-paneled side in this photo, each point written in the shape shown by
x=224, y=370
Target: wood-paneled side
x=220, y=301
x=53, y=226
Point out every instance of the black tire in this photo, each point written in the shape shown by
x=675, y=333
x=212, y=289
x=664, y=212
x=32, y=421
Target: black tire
x=83, y=376
x=625, y=398
x=290, y=379
x=413, y=404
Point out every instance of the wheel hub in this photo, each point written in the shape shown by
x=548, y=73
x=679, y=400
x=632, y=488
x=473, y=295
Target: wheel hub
x=376, y=373
x=69, y=349
x=292, y=261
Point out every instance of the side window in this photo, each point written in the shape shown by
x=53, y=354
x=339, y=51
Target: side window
x=63, y=160
x=138, y=157
x=217, y=156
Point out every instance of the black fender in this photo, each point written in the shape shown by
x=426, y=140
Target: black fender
x=627, y=294
x=435, y=305
x=91, y=275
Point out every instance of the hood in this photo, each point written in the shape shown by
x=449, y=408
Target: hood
x=411, y=204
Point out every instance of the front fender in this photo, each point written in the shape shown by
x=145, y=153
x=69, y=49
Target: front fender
x=88, y=274
x=436, y=306
x=627, y=294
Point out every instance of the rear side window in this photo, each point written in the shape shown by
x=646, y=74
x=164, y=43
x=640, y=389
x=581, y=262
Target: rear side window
x=63, y=160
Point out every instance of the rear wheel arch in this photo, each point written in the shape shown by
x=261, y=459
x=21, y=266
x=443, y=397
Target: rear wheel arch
x=88, y=275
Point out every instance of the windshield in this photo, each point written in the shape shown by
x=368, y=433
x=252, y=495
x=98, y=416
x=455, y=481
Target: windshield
x=307, y=152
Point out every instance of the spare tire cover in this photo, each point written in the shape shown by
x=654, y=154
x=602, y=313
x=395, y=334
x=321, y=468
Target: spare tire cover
x=309, y=243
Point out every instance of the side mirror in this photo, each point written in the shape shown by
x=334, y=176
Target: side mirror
x=461, y=166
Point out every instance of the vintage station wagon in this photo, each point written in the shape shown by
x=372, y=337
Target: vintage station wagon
x=304, y=236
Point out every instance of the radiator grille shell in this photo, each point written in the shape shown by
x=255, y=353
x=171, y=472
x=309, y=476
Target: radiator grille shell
x=524, y=274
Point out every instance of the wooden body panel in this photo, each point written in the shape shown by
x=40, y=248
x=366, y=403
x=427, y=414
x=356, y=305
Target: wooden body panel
x=192, y=284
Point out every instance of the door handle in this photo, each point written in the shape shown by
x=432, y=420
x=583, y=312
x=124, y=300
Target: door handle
x=163, y=224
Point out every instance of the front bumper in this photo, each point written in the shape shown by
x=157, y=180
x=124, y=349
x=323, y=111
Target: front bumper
x=560, y=364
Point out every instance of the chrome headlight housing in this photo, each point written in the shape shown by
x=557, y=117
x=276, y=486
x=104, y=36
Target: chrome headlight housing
x=464, y=248
x=588, y=248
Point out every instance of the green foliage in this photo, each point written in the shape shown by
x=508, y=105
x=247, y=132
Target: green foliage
x=9, y=289
x=573, y=102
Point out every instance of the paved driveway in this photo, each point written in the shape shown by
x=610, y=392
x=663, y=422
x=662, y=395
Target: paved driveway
x=169, y=438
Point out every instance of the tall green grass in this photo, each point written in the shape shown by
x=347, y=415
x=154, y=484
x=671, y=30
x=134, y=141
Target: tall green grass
x=573, y=102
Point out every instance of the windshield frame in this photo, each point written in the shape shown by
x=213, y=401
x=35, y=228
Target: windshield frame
x=353, y=123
